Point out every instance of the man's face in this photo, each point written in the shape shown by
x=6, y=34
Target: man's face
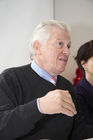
x=53, y=55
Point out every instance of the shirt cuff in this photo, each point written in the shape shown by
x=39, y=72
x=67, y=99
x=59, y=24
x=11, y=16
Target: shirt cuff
x=38, y=106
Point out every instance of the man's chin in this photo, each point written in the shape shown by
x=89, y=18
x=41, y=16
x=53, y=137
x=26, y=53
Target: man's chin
x=62, y=70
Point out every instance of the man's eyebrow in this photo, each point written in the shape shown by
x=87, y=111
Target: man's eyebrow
x=64, y=40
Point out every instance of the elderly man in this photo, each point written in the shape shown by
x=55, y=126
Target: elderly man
x=35, y=101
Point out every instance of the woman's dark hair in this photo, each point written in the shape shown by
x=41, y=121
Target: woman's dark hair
x=84, y=53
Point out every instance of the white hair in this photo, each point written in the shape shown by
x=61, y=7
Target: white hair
x=42, y=32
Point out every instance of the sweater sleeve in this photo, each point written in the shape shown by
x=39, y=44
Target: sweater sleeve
x=16, y=120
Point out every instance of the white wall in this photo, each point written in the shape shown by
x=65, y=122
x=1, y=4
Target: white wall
x=79, y=15
x=18, y=18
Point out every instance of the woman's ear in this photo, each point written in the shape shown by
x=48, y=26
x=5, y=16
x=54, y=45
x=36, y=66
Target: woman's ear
x=83, y=63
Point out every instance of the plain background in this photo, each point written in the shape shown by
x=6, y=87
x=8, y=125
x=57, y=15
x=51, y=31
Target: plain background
x=18, y=18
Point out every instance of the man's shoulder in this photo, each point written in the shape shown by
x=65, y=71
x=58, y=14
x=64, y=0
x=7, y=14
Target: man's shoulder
x=64, y=80
x=15, y=70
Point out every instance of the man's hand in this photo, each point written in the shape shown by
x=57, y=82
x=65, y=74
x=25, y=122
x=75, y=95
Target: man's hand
x=57, y=101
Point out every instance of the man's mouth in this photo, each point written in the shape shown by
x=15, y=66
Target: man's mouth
x=63, y=59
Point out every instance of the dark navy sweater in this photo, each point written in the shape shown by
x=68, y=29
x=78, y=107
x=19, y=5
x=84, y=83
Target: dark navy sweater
x=84, y=94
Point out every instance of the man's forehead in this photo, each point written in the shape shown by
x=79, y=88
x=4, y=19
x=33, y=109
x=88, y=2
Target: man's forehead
x=60, y=33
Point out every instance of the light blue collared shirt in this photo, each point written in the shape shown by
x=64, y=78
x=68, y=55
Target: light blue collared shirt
x=42, y=73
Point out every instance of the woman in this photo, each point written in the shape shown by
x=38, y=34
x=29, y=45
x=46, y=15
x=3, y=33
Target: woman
x=84, y=88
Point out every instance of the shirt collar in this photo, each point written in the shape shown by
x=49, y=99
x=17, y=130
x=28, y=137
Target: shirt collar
x=42, y=73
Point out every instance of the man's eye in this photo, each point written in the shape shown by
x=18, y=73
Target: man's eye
x=69, y=46
x=60, y=43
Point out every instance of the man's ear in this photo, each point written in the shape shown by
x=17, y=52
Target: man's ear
x=36, y=47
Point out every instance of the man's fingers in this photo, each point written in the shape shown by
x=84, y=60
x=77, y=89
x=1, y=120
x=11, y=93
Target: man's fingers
x=67, y=112
x=68, y=107
x=67, y=103
x=68, y=100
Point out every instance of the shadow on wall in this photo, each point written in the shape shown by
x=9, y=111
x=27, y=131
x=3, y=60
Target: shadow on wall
x=80, y=33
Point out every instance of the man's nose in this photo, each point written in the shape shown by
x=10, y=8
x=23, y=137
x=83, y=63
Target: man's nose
x=66, y=51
